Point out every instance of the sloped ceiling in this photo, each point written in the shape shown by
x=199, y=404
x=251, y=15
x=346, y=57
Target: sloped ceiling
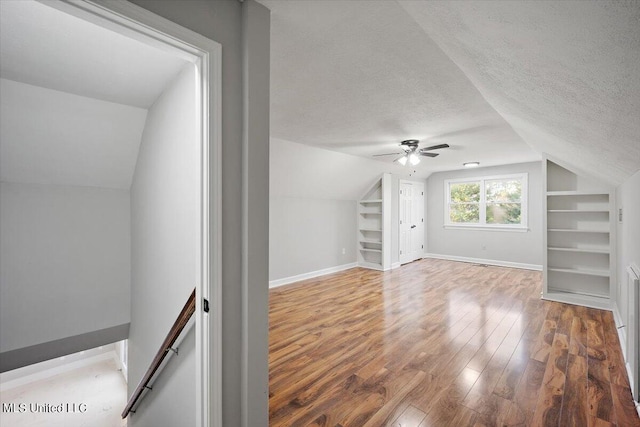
x=45, y=47
x=501, y=82
x=565, y=75
x=52, y=137
x=293, y=174
x=74, y=97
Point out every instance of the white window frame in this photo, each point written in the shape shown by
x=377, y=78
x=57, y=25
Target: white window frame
x=482, y=223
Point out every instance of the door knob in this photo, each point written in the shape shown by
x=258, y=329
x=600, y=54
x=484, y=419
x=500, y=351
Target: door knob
x=413, y=226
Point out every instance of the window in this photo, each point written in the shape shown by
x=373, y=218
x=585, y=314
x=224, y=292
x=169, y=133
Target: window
x=496, y=202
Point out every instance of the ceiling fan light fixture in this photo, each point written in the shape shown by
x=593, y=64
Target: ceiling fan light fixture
x=414, y=159
x=403, y=160
x=471, y=164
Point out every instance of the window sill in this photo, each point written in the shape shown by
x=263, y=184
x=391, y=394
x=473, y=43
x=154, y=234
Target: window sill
x=516, y=229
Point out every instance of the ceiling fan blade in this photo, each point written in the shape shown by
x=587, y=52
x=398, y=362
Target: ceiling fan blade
x=429, y=154
x=387, y=154
x=435, y=147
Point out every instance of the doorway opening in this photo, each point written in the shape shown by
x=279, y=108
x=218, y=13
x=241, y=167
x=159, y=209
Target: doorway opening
x=84, y=173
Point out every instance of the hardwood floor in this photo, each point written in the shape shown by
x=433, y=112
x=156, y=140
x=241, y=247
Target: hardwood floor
x=441, y=343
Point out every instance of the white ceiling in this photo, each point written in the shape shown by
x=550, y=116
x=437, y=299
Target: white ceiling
x=500, y=82
x=292, y=174
x=43, y=46
x=74, y=97
x=52, y=137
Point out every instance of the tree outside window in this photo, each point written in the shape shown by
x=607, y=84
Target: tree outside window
x=503, y=201
x=492, y=202
x=464, y=206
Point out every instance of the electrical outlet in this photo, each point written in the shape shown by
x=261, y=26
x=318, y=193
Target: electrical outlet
x=344, y=251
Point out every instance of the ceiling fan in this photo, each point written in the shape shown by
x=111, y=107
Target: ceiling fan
x=412, y=153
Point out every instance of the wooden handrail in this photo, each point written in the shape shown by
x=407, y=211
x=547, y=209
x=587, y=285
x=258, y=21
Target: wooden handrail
x=182, y=320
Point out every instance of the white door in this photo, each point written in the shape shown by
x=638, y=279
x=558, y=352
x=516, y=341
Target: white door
x=411, y=213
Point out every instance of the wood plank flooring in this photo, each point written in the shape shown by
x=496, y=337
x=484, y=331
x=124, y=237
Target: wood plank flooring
x=441, y=343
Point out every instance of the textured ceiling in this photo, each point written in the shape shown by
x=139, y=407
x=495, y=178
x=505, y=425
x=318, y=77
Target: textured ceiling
x=43, y=46
x=359, y=77
x=492, y=79
x=565, y=75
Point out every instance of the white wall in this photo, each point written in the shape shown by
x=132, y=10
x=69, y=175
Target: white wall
x=164, y=250
x=503, y=246
x=64, y=264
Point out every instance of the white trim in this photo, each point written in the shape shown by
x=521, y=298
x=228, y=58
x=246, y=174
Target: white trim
x=622, y=336
x=498, y=263
x=395, y=265
x=404, y=258
x=621, y=328
x=140, y=24
x=61, y=369
x=482, y=203
x=517, y=229
x=600, y=303
x=292, y=279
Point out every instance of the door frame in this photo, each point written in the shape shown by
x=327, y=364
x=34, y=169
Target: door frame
x=424, y=225
x=140, y=24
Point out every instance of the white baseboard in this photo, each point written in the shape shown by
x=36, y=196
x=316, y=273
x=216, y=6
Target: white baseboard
x=395, y=265
x=622, y=336
x=292, y=279
x=486, y=261
x=60, y=369
x=622, y=331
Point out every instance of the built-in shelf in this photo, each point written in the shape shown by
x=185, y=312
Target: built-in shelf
x=572, y=230
x=587, y=294
x=371, y=250
x=576, y=193
x=374, y=225
x=580, y=250
x=583, y=271
x=579, y=243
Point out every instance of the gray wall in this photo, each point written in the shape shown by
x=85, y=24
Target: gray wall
x=516, y=247
x=313, y=209
x=64, y=263
x=222, y=21
x=256, y=32
x=628, y=231
x=164, y=251
x=309, y=234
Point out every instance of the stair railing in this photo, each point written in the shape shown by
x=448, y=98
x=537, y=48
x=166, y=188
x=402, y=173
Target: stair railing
x=167, y=346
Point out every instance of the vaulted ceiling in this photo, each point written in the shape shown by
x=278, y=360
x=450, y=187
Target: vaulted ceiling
x=74, y=97
x=501, y=82
x=45, y=47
